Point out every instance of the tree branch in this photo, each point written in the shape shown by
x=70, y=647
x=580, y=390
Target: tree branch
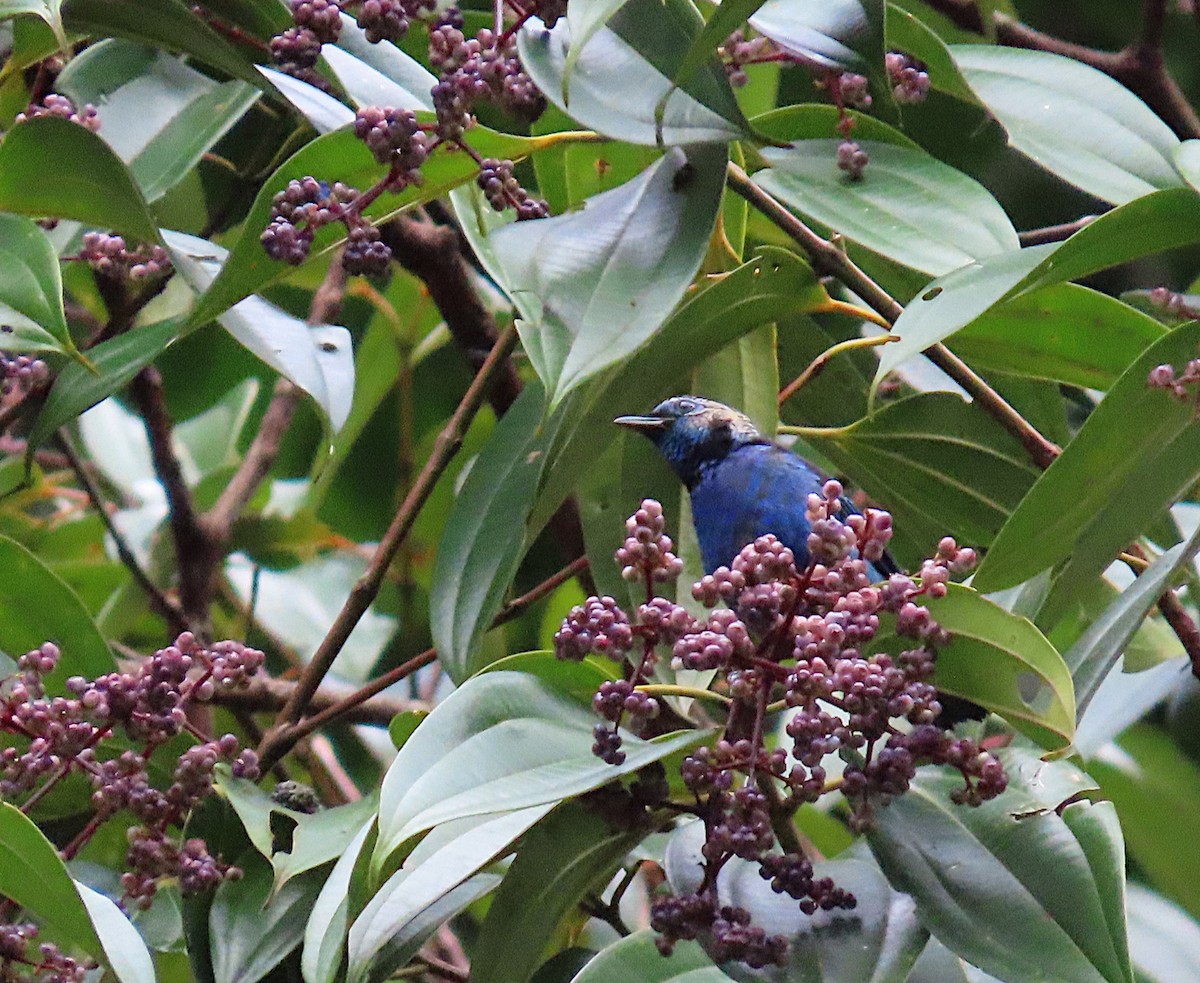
x=1054, y=233
x=367, y=586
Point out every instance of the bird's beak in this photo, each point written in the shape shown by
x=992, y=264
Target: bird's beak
x=644, y=424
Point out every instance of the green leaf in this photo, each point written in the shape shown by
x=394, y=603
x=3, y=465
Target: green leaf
x=379, y=73
x=910, y=34
x=31, y=285
x=1137, y=446
x=485, y=535
x=254, y=807
x=341, y=156
x=908, y=206
x=321, y=838
x=940, y=464
x=1002, y=662
x=1098, y=648
x=33, y=875
x=1064, y=333
x=539, y=752
x=37, y=606
x=1028, y=887
x=91, y=184
x=123, y=947
x=50, y=11
x=395, y=921
x=572, y=851
x=828, y=33
x=593, y=286
x=1156, y=791
x=327, y=925
x=321, y=109
x=251, y=930
x=1164, y=942
x=1053, y=107
x=619, y=77
x=636, y=957
x=727, y=18
x=879, y=941
x=113, y=364
x=158, y=115
x=173, y=27
x=317, y=358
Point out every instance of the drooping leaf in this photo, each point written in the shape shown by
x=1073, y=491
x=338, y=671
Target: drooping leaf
x=319, y=359
x=1053, y=106
x=251, y=930
x=50, y=11
x=1064, y=333
x=33, y=875
x=323, y=111
x=378, y=74
x=1163, y=940
x=327, y=925
x=37, y=606
x=981, y=875
x=619, y=77
x=636, y=957
x=113, y=363
x=908, y=205
x=123, y=947
x=828, y=33
x=1138, y=445
x=572, y=851
x=1187, y=162
x=31, y=285
x=1098, y=648
x=485, y=535
x=539, y=752
x=91, y=184
x=941, y=465
x=594, y=285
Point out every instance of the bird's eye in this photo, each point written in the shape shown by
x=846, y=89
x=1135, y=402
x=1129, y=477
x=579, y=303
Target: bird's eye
x=688, y=405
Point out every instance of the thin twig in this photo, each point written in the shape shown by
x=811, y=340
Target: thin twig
x=367, y=586
x=1055, y=233
x=817, y=365
x=828, y=259
x=164, y=605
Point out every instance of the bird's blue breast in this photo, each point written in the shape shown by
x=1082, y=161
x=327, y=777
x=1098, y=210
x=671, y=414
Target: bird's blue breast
x=754, y=490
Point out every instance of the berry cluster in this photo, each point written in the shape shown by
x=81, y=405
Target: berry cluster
x=21, y=373
x=502, y=190
x=737, y=51
x=910, y=80
x=784, y=637
x=1182, y=385
x=109, y=255
x=45, y=964
x=55, y=105
x=84, y=732
x=1172, y=303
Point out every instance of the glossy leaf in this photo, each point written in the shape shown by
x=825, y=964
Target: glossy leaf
x=92, y=184
x=321, y=838
x=1156, y=791
x=877, y=942
x=1064, y=333
x=636, y=957
x=33, y=875
x=251, y=930
x=828, y=32
x=1109, y=460
x=1053, y=107
x=113, y=364
x=378, y=940
x=319, y=359
x=1098, y=648
x=908, y=206
x=31, y=285
x=572, y=851
x=485, y=535
x=980, y=875
x=1124, y=698
x=618, y=79
x=50, y=11
x=1163, y=940
x=1187, y=162
x=941, y=465
x=910, y=34
x=323, y=111
x=123, y=947
x=538, y=752
x=173, y=27
x=727, y=18
x=327, y=925
x=37, y=606
x=593, y=286
x=378, y=74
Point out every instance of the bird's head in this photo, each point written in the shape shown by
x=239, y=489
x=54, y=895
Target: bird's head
x=691, y=431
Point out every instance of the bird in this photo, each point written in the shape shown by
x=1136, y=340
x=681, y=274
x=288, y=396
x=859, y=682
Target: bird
x=742, y=484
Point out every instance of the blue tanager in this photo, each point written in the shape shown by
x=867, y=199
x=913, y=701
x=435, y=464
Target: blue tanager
x=743, y=485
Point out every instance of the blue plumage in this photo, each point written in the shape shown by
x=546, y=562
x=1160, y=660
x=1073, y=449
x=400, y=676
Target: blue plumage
x=742, y=484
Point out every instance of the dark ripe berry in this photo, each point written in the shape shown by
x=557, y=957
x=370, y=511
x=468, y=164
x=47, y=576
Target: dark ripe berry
x=733, y=937
x=55, y=105
x=285, y=243
x=502, y=190
x=296, y=48
x=607, y=745
x=388, y=20
x=322, y=17
x=852, y=159
x=395, y=138
x=365, y=254
x=597, y=626
x=666, y=621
